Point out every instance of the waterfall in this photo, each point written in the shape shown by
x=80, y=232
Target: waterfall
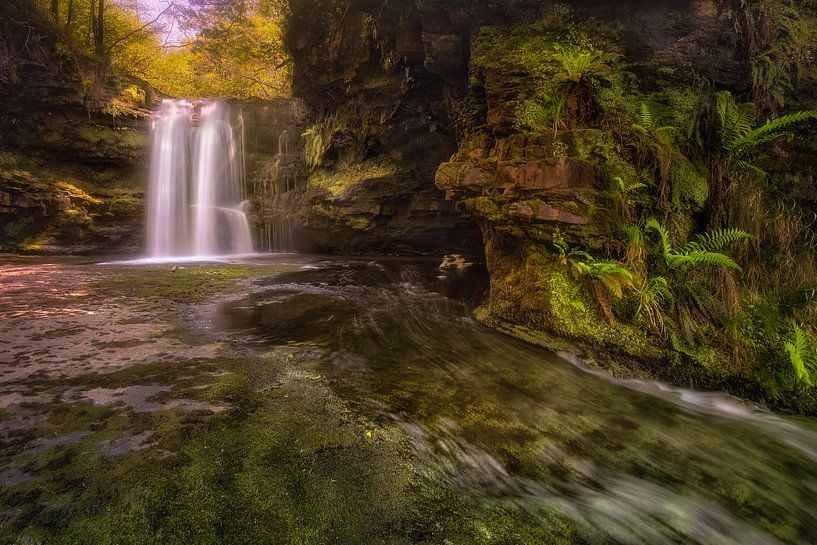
x=281, y=196
x=196, y=201
x=168, y=228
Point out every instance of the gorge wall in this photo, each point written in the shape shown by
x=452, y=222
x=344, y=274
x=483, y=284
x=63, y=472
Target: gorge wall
x=386, y=81
x=73, y=144
x=428, y=123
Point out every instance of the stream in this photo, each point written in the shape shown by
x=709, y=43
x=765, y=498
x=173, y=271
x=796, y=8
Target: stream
x=298, y=399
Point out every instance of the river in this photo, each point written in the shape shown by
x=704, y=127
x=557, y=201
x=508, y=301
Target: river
x=298, y=399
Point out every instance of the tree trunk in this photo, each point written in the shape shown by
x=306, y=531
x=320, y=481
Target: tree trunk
x=55, y=10
x=91, y=24
x=69, y=17
x=99, y=34
x=717, y=194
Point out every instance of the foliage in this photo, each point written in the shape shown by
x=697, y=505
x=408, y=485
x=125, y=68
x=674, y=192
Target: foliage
x=802, y=355
x=735, y=164
x=614, y=276
x=780, y=39
x=194, y=48
x=559, y=66
x=543, y=111
x=624, y=192
x=654, y=295
x=659, y=140
x=701, y=251
x=313, y=146
x=738, y=131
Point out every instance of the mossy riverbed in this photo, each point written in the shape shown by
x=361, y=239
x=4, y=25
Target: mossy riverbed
x=305, y=401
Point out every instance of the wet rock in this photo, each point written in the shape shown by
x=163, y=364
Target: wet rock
x=456, y=263
x=532, y=210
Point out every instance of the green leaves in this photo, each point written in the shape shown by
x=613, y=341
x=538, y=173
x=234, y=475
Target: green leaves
x=701, y=251
x=736, y=120
x=697, y=258
x=653, y=296
x=578, y=65
x=802, y=354
x=717, y=240
x=738, y=131
x=773, y=129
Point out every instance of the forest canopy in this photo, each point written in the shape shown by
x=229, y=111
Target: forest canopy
x=184, y=48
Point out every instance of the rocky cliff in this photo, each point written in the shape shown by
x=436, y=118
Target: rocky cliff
x=73, y=144
x=560, y=130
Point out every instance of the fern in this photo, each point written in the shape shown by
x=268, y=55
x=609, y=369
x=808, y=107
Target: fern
x=313, y=146
x=626, y=188
x=580, y=65
x=772, y=129
x=716, y=240
x=737, y=120
x=645, y=118
x=653, y=225
x=701, y=251
x=738, y=131
x=653, y=296
x=700, y=257
x=802, y=355
x=614, y=276
x=648, y=124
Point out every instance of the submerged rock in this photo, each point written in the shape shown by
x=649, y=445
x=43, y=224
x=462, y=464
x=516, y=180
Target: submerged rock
x=456, y=263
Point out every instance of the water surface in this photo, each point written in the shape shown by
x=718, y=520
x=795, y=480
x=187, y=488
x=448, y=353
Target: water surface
x=304, y=400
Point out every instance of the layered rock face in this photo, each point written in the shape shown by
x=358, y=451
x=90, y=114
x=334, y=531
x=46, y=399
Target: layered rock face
x=379, y=128
x=73, y=144
x=275, y=170
x=417, y=136
x=384, y=79
x=528, y=190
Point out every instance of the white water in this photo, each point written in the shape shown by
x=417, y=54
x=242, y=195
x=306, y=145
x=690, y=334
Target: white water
x=196, y=201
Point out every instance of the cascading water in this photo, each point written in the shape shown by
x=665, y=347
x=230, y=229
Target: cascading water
x=281, y=195
x=196, y=203
x=168, y=227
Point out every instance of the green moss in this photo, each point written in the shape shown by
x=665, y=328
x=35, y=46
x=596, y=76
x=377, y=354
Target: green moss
x=189, y=284
x=231, y=387
x=345, y=177
x=290, y=467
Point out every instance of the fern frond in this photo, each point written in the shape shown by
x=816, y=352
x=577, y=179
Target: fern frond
x=645, y=116
x=653, y=225
x=737, y=120
x=772, y=128
x=614, y=276
x=798, y=350
x=716, y=240
x=754, y=169
x=702, y=257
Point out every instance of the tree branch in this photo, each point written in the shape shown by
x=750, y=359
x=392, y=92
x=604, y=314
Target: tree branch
x=138, y=30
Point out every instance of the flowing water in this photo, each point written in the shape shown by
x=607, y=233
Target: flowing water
x=278, y=196
x=196, y=200
x=304, y=400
